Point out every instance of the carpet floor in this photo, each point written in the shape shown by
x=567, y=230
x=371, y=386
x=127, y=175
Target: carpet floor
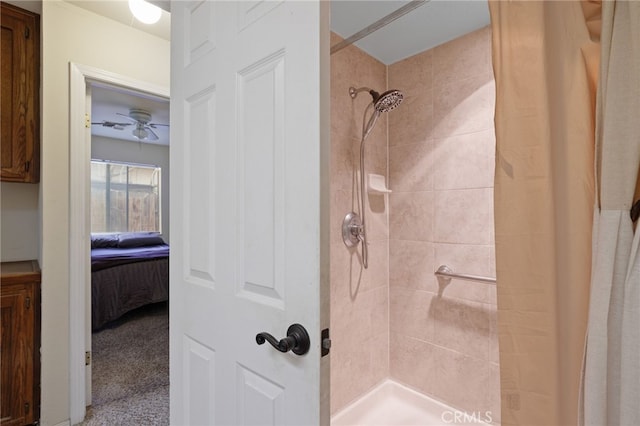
x=131, y=370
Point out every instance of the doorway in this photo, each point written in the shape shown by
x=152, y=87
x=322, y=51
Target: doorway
x=82, y=79
x=129, y=211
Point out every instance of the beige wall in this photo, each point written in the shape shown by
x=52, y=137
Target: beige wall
x=71, y=34
x=359, y=297
x=19, y=221
x=441, y=162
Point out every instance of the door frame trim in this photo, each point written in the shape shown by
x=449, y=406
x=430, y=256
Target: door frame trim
x=80, y=76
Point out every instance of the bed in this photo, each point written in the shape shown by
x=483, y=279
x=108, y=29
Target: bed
x=128, y=271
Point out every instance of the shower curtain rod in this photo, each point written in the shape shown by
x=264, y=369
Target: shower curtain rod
x=413, y=4
x=446, y=273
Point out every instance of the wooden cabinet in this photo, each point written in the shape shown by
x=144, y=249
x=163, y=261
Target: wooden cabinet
x=20, y=95
x=20, y=343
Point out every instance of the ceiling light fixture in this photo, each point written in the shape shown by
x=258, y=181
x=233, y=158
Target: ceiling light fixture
x=144, y=11
x=140, y=133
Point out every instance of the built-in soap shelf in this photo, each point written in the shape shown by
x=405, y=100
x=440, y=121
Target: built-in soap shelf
x=376, y=184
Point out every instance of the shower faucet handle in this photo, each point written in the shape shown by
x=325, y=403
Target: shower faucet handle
x=352, y=229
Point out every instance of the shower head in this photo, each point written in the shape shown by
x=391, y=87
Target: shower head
x=387, y=101
x=382, y=103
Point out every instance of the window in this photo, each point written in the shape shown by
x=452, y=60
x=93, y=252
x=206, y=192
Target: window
x=124, y=197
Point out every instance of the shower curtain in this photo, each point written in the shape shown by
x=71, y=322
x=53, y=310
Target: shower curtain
x=612, y=367
x=545, y=59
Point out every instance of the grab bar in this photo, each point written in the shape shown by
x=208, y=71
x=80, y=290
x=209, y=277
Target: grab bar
x=445, y=274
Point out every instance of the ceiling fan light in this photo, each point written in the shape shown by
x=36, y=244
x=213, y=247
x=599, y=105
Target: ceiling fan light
x=140, y=133
x=144, y=11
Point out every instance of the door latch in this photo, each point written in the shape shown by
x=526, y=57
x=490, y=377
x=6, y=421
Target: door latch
x=326, y=342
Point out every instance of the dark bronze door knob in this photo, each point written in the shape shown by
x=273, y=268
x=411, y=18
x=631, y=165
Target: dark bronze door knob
x=297, y=340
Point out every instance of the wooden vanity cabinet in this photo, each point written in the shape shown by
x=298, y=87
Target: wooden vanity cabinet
x=20, y=343
x=20, y=95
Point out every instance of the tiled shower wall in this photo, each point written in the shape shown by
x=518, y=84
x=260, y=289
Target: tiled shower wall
x=437, y=153
x=359, y=297
x=441, y=165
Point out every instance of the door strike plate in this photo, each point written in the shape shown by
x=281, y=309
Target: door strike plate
x=326, y=342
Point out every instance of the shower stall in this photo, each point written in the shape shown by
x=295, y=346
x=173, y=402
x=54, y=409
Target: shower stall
x=400, y=340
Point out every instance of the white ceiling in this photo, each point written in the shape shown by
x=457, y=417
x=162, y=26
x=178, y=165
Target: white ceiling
x=107, y=102
x=433, y=23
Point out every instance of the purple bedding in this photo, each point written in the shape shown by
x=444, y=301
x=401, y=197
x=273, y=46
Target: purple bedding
x=123, y=288
x=102, y=258
x=123, y=279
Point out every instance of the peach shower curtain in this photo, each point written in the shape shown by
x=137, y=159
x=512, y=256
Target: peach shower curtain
x=545, y=60
x=612, y=367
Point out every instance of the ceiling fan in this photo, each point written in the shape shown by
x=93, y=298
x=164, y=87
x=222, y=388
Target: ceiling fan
x=139, y=118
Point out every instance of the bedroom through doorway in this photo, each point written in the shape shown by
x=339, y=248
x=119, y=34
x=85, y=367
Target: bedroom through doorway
x=129, y=286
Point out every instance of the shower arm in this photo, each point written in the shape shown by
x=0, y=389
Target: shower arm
x=353, y=92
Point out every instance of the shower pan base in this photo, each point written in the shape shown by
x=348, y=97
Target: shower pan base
x=392, y=404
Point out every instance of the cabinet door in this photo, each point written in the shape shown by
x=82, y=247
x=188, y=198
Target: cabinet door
x=19, y=93
x=16, y=348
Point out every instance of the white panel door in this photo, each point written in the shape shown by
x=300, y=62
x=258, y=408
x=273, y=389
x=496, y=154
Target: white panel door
x=247, y=100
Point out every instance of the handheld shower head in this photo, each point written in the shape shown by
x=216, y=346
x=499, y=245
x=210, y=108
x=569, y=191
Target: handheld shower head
x=387, y=101
x=384, y=102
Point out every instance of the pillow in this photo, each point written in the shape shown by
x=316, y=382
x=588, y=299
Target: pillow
x=104, y=240
x=139, y=239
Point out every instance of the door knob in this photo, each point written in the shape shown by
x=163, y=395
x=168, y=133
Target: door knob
x=297, y=340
